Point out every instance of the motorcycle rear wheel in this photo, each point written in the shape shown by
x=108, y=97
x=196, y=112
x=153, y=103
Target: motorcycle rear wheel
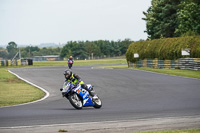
x=75, y=101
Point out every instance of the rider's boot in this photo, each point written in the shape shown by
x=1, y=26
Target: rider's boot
x=91, y=92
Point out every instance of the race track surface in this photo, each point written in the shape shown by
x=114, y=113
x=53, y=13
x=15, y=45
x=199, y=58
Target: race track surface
x=126, y=94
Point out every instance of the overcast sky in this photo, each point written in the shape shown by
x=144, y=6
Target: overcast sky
x=33, y=22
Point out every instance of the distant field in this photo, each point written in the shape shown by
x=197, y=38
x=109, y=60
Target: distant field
x=81, y=62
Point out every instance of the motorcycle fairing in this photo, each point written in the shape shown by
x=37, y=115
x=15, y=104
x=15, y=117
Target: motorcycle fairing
x=87, y=101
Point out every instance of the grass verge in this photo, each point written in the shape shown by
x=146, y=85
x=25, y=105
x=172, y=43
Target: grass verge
x=80, y=62
x=177, y=72
x=14, y=91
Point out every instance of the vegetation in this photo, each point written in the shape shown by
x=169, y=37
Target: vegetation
x=177, y=72
x=99, y=49
x=31, y=51
x=172, y=18
x=168, y=48
x=14, y=91
x=12, y=49
x=121, y=60
x=77, y=49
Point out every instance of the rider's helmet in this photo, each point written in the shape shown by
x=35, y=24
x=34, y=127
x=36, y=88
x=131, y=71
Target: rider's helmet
x=70, y=57
x=67, y=74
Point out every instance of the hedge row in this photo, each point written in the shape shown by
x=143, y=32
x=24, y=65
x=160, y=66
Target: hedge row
x=164, y=49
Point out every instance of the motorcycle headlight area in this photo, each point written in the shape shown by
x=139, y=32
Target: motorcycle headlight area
x=66, y=87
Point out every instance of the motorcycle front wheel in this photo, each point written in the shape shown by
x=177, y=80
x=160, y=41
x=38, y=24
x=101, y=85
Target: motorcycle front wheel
x=98, y=103
x=75, y=101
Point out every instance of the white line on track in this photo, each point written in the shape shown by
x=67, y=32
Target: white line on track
x=47, y=93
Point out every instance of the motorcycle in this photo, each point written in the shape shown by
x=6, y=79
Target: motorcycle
x=79, y=97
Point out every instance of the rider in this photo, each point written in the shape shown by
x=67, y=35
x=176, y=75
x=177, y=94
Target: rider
x=76, y=80
x=70, y=62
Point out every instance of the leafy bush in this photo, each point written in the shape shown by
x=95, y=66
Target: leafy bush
x=165, y=49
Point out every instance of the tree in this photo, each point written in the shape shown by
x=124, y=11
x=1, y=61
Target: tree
x=188, y=17
x=3, y=53
x=100, y=48
x=124, y=45
x=11, y=46
x=30, y=50
x=92, y=48
x=161, y=19
x=103, y=46
x=12, y=49
x=172, y=18
x=67, y=50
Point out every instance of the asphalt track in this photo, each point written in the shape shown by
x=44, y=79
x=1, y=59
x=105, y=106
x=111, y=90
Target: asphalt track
x=126, y=94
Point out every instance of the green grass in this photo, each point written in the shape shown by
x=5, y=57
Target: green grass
x=177, y=72
x=114, y=67
x=177, y=131
x=80, y=62
x=15, y=91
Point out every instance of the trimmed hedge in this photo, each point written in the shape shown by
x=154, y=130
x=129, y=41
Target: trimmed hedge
x=164, y=49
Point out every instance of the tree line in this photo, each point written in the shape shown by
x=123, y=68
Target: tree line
x=77, y=49
x=12, y=49
x=172, y=18
x=98, y=49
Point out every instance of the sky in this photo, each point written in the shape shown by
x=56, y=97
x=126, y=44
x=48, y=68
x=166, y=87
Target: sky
x=32, y=22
